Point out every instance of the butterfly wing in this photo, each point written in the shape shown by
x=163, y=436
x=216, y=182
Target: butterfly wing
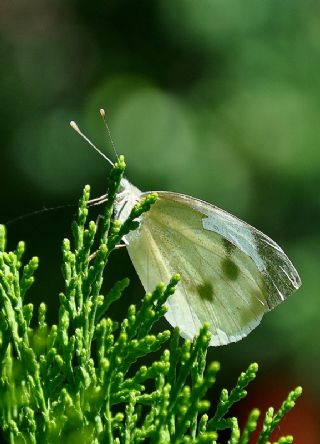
x=231, y=273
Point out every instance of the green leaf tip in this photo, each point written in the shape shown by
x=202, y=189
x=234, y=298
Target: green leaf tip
x=34, y=263
x=272, y=420
x=175, y=279
x=144, y=205
x=120, y=162
x=214, y=367
x=3, y=237
x=285, y=440
x=253, y=368
x=298, y=392
x=250, y=426
x=116, y=175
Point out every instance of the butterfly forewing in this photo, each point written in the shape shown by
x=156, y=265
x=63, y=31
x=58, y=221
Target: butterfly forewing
x=280, y=276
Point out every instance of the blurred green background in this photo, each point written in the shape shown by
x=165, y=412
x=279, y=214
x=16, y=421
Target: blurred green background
x=219, y=99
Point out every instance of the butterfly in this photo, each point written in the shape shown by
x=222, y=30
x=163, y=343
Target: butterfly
x=231, y=273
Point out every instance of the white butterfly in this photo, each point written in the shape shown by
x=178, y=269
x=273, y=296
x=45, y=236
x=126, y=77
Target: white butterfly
x=231, y=273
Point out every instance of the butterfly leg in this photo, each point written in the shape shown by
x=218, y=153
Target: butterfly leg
x=97, y=200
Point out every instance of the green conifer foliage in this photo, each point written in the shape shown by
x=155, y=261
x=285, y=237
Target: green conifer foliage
x=75, y=381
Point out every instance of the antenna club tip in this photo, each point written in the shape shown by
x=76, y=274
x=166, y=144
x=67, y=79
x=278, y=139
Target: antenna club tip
x=102, y=112
x=74, y=125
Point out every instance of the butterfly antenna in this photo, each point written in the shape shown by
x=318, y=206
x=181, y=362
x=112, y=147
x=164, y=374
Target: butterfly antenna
x=77, y=129
x=40, y=211
x=103, y=115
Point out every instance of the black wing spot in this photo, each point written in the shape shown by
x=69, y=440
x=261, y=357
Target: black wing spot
x=230, y=269
x=206, y=291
